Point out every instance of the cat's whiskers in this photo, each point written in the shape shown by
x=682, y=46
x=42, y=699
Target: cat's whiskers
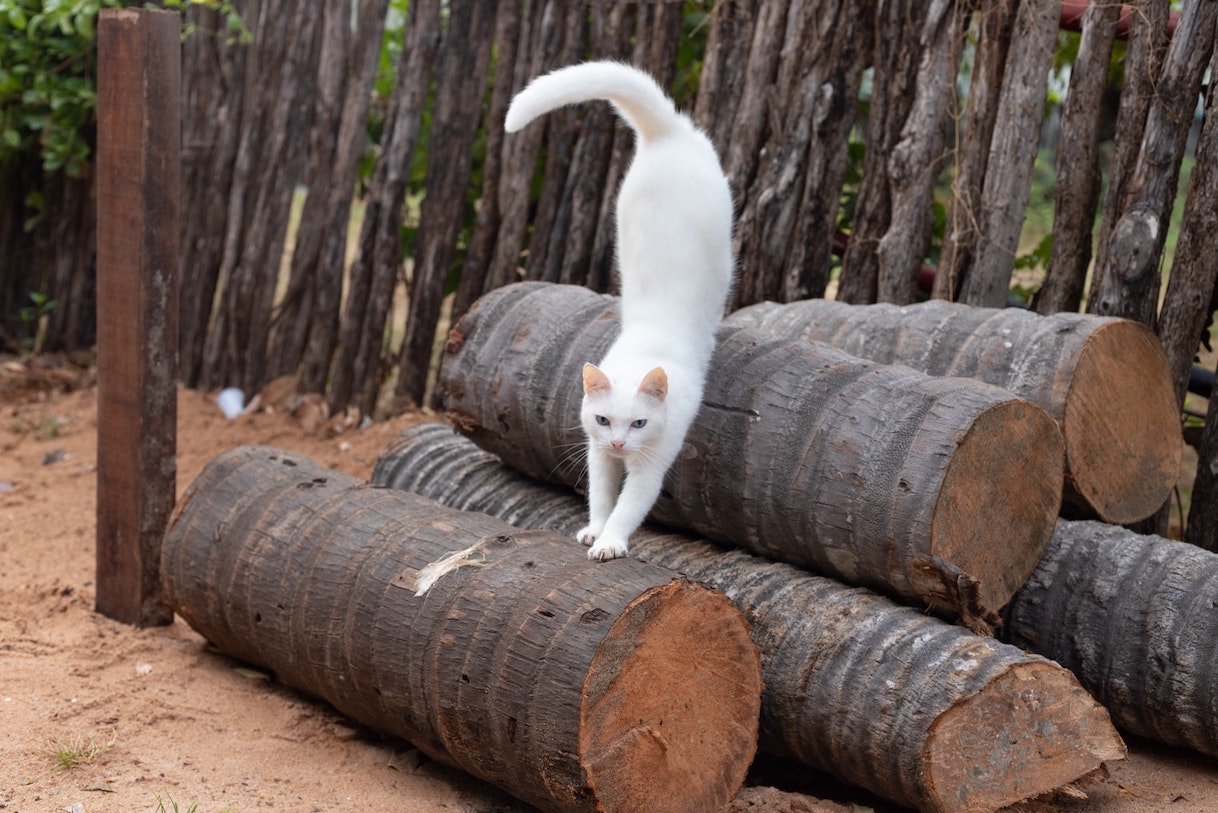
x=573, y=459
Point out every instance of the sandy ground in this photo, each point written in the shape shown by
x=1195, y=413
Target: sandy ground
x=98, y=716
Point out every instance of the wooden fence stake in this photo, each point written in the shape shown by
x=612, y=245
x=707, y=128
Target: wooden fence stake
x=138, y=174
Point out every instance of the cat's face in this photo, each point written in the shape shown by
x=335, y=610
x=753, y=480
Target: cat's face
x=623, y=419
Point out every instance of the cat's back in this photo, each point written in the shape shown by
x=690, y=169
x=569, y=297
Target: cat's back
x=674, y=214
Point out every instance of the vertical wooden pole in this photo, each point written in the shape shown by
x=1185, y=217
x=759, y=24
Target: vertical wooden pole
x=138, y=170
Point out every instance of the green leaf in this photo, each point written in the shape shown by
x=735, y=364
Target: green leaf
x=17, y=18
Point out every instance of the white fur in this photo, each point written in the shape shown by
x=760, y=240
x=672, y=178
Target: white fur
x=674, y=224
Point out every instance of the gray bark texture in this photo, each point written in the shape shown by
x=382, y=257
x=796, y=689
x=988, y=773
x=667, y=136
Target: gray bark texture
x=1132, y=616
x=1077, y=190
x=1105, y=381
x=973, y=150
x=911, y=725
x=572, y=685
x=1130, y=281
x=1008, y=173
x=877, y=474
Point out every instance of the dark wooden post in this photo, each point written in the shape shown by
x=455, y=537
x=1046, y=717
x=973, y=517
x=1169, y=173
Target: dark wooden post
x=138, y=169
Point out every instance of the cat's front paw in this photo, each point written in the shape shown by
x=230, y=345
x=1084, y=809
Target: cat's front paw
x=588, y=534
x=607, y=548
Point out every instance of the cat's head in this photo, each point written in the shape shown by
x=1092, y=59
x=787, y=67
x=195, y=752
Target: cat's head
x=623, y=417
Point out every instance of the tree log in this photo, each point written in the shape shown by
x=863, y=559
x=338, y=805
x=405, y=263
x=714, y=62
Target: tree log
x=572, y=685
x=879, y=475
x=1077, y=188
x=944, y=721
x=1143, y=62
x=973, y=151
x=1106, y=381
x=1129, y=285
x=1188, y=306
x=1133, y=617
x=1016, y=137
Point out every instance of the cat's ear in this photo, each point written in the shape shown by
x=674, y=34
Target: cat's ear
x=595, y=380
x=655, y=384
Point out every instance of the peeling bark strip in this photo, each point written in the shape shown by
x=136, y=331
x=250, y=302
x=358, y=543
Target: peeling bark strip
x=572, y=685
x=1132, y=616
x=1105, y=381
x=945, y=721
x=879, y=475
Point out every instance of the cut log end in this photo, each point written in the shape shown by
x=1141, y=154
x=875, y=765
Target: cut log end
x=637, y=743
x=1004, y=481
x=1121, y=425
x=1030, y=731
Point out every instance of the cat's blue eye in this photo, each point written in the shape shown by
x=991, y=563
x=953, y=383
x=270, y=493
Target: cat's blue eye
x=601, y=420
x=639, y=424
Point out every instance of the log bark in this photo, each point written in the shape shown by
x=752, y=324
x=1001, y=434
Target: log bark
x=1143, y=63
x=896, y=54
x=1130, y=283
x=1133, y=617
x=879, y=475
x=572, y=685
x=460, y=76
x=1105, y=381
x=1202, y=527
x=277, y=82
x=916, y=160
x=540, y=46
x=1004, y=194
x=973, y=152
x=912, y=725
x=474, y=279
x=357, y=372
x=1077, y=190
x=564, y=252
x=307, y=321
x=789, y=212
x=1187, y=307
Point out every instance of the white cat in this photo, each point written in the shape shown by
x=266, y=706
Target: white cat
x=674, y=251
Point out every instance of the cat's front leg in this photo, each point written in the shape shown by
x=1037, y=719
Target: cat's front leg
x=639, y=494
x=604, y=479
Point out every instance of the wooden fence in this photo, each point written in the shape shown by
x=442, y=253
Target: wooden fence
x=775, y=83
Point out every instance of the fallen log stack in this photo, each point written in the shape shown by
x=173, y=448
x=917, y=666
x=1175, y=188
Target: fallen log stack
x=1106, y=381
x=941, y=491
x=885, y=697
x=575, y=686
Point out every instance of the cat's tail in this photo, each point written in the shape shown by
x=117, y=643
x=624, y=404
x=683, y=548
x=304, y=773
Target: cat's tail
x=635, y=95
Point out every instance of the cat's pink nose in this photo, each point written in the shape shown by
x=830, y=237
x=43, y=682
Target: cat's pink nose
x=617, y=445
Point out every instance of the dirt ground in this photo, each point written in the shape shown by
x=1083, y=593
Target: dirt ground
x=96, y=716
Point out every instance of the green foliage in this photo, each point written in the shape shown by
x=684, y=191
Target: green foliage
x=48, y=68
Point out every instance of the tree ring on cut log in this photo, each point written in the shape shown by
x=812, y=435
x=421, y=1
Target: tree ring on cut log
x=1121, y=424
x=1033, y=713
x=630, y=733
x=976, y=495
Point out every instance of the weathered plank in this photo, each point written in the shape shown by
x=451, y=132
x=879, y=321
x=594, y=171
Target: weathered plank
x=138, y=190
